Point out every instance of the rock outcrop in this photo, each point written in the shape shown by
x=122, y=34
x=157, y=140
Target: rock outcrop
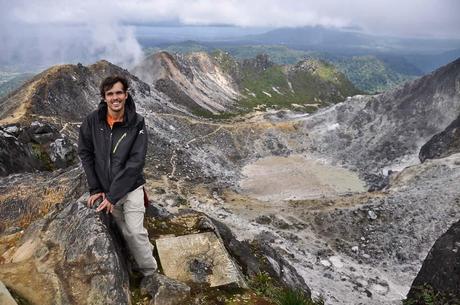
x=14, y=155
x=442, y=144
x=68, y=257
x=27, y=197
x=440, y=272
x=38, y=146
x=164, y=291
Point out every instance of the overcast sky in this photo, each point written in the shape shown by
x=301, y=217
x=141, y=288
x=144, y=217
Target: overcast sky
x=110, y=24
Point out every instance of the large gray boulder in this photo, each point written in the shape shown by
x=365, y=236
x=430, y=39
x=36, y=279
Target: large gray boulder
x=69, y=257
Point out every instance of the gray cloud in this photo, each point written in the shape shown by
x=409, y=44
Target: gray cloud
x=41, y=33
x=408, y=17
x=58, y=30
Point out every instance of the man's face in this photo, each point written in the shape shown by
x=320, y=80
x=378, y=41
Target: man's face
x=116, y=98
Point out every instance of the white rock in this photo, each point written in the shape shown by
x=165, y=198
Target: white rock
x=267, y=94
x=325, y=263
x=380, y=289
x=333, y=126
x=336, y=261
x=11, y=129
x=371, y=215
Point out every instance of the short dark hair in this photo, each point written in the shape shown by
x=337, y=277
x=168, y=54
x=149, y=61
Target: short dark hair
x=108, y=83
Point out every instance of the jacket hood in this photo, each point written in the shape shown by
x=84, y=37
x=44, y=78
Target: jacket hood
x=130, y=111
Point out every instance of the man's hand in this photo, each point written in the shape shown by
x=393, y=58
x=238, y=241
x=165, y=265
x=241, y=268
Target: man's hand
x=105, y=205
x=92, y=199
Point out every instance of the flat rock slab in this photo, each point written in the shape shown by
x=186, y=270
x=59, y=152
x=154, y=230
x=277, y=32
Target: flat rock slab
x=197, y=258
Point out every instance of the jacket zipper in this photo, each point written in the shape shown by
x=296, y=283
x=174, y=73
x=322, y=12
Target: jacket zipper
x=118, y=142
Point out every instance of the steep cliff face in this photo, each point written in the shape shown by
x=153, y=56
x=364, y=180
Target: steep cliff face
x=194, y=81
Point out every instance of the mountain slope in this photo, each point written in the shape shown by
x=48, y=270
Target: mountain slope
x=65, y=91
x=373, y=73
x=218, y=83
x=193, y=81
x=375, y=133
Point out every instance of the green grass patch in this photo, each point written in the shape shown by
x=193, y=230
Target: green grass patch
x=263, y=285
x=427, y=295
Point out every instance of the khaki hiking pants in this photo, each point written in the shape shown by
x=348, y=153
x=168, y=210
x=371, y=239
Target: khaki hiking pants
x=129, y=217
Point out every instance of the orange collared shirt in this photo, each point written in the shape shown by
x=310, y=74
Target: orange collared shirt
x=111, y=120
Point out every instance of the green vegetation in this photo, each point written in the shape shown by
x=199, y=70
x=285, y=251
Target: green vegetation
x=296, y=297
x=310, y=84
x=263, y=285
x=278, y=54
x=226, y=62
x=371, y=74
x=427, y=295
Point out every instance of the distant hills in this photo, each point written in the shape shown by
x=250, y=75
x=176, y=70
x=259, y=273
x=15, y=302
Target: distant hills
x=349, y=42
x=373, y=63
x=368, y=73
x=430, y=62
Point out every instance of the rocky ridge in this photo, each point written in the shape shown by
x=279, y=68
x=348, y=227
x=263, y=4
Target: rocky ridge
x=211, y=84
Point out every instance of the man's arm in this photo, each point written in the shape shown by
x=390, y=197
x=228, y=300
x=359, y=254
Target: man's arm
x=86, y=154
x=126, y=178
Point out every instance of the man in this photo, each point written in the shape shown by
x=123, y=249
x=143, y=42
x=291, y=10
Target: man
x=112, y=147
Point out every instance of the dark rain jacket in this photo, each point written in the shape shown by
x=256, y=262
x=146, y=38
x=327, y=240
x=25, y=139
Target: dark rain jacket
x=113, y=159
